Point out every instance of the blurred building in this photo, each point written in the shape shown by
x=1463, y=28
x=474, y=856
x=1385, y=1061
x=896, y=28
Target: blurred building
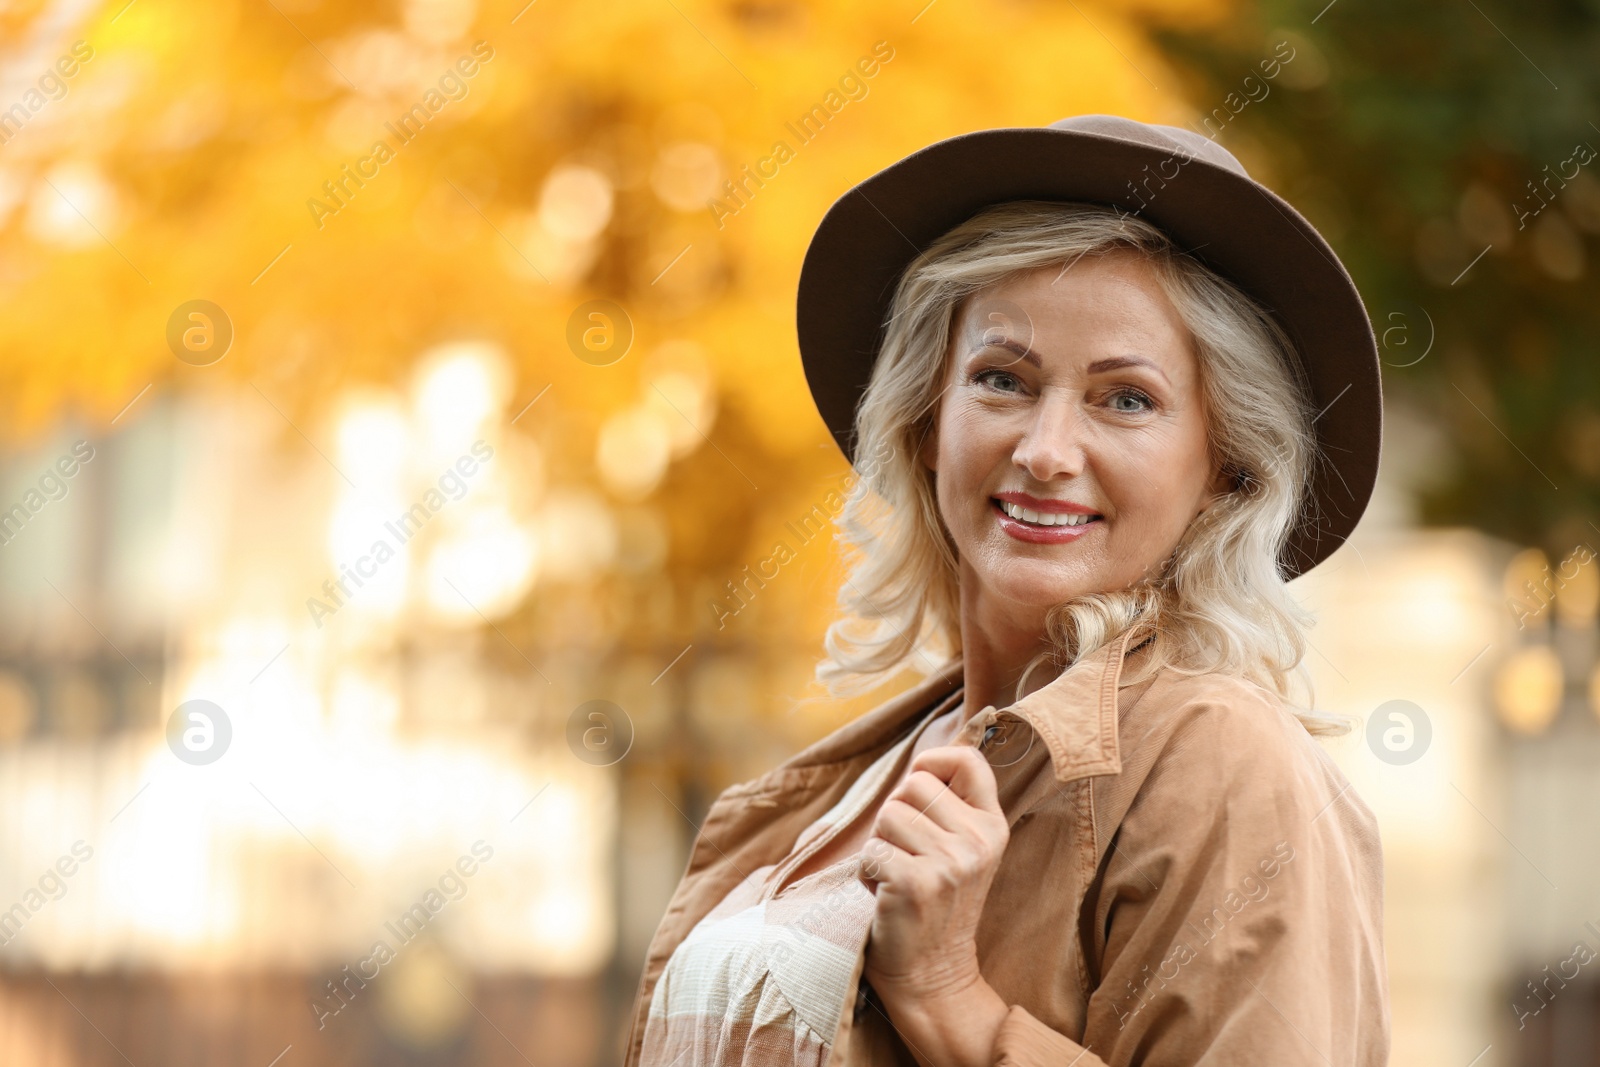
x=1473, y=666
x=262, y=711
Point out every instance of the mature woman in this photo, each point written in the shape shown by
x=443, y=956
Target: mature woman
x=1106, y=395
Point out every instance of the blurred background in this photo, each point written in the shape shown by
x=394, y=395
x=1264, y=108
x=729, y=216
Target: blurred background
x=400, y=415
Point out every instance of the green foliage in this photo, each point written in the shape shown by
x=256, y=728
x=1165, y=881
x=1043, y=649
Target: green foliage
x=1417, y=136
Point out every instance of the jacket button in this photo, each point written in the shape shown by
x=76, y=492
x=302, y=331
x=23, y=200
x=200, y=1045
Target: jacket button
x=987, y=734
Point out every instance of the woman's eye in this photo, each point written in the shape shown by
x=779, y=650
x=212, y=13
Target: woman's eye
x=1131, y=402
x=1005, y=381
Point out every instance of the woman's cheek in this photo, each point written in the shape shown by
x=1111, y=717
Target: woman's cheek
x=975, y=426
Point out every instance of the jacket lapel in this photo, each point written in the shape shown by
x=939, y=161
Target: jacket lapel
x=1069, y=725
x=757, y=822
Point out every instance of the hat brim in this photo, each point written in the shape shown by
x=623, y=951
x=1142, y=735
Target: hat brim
x=1233, y=224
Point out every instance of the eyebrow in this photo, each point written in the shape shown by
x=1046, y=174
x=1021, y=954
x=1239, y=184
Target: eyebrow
x=1017, y=348
x=1099, y=366
x=1123, y=363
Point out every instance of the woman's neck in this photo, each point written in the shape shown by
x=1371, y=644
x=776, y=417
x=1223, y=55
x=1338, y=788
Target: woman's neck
x=995, y=652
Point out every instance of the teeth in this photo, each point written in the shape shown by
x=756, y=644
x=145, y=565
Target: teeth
x=1016, y=511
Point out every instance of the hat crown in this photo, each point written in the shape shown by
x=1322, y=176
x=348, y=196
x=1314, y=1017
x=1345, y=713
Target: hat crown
x=1174, y=139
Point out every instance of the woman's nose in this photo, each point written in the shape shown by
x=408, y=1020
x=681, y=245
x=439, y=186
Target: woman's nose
x=1052, y=442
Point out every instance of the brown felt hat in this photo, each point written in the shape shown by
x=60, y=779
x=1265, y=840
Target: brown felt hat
x=1184, y=183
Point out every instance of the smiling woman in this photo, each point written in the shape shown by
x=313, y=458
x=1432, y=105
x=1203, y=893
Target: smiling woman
x=1090, y=450
x=1085, y=350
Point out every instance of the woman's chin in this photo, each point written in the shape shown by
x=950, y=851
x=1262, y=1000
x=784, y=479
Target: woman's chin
x=1030, y=580
x=1025, y=586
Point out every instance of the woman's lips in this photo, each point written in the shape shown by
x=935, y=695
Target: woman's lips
x=1040, y=535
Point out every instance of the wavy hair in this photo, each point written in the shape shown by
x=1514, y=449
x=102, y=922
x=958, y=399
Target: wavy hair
x=1219, y=601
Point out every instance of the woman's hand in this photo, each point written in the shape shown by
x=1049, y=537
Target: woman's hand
x=934, y=850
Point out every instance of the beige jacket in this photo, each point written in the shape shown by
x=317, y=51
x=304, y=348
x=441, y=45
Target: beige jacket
x=1189, y=878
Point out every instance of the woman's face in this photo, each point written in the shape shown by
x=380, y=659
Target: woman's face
x=1071, y=439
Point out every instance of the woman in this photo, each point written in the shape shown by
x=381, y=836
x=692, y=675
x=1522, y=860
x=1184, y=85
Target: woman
x=1106, y=395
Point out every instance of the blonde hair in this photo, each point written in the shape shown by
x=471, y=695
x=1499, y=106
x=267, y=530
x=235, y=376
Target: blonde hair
x=1218, y=602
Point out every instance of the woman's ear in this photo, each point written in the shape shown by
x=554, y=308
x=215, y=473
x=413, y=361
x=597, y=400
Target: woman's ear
x=1224, y=480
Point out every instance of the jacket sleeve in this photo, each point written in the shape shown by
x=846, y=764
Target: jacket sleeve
x=1236, y=917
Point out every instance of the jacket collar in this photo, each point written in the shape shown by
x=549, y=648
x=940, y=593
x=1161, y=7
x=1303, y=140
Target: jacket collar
x=1075, y=716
